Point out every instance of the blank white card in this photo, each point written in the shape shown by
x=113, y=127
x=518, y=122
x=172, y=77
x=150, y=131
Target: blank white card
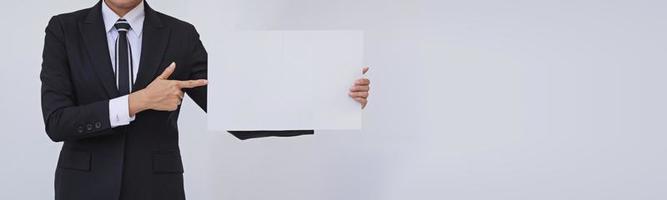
x=284, y=80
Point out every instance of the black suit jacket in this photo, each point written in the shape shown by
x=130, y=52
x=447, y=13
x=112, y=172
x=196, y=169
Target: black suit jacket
x=138, y=161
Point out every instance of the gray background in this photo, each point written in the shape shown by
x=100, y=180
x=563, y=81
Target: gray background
x=471, y=100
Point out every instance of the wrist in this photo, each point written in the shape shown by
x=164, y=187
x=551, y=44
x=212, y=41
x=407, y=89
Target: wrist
x=137, y=102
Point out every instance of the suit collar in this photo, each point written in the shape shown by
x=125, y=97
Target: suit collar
x=152, y=18
x=94, y=14
x=154, y=43
x=95, y=40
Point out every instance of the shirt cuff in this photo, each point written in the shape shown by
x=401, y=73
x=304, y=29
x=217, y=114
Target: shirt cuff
x=119, y=112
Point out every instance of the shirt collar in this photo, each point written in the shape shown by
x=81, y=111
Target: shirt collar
x=135, y=17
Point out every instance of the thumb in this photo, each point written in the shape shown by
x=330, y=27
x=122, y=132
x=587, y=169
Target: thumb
x=167, y=72
x=364, y=70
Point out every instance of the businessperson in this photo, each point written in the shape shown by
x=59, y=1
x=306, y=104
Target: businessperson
x=112, y=93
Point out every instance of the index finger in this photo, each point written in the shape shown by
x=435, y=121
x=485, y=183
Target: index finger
x=362, y=81
x=192, y=83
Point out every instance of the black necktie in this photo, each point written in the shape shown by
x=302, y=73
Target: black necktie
x=123, y=58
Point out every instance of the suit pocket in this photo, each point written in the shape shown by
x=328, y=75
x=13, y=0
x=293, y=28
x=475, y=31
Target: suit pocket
x=165, y=162
x=76, y=160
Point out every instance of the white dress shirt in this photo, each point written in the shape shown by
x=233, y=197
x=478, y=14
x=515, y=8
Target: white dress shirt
x=119, y=113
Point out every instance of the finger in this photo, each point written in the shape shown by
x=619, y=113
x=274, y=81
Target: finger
x=359, y=94
x=362, y=101
x=360, y=88
x=167, y=72
x=192, y=83
x=362, y=81
x=364, y=70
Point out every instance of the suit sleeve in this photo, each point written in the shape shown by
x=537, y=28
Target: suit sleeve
x=64, y=118
x=199, y=64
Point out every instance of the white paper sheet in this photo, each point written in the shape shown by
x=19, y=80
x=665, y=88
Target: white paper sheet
x=284, y=80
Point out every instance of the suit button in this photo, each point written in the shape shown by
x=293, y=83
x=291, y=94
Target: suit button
x=89, y=127
x=98, y=124
x=79, y=129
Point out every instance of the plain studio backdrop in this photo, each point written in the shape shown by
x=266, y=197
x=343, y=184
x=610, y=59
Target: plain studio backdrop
x=473, y=99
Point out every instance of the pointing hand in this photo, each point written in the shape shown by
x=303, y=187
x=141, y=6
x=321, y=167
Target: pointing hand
x=162, y=94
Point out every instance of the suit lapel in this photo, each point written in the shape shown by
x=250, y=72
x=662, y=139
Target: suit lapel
x=155, y=39
x=95, y=39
